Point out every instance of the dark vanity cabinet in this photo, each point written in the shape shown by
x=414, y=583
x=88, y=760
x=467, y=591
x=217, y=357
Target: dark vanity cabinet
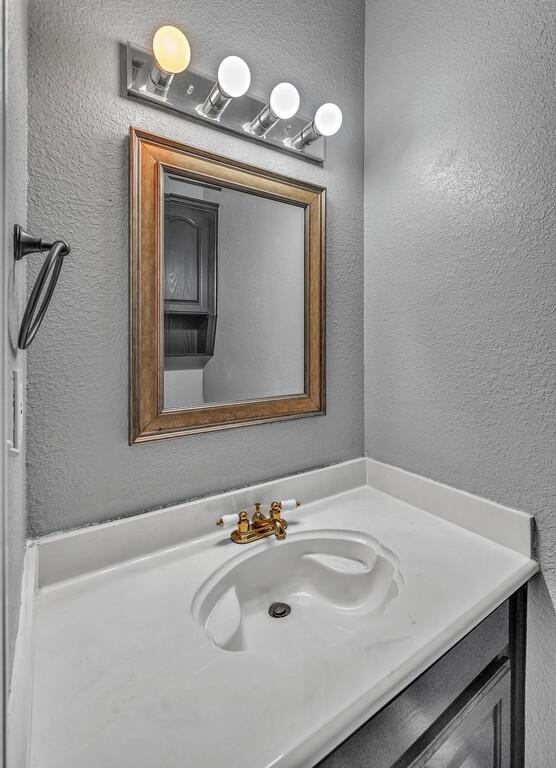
x=190, y=262
x=466, y=711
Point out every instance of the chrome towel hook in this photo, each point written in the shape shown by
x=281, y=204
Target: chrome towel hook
x=25, y=244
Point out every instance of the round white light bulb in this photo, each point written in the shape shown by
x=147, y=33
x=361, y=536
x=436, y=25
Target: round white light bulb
x=234, y=77
x=284, y=100
x=171, y=49
x=328, y=119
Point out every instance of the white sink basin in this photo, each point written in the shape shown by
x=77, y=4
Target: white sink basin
x=334, y=582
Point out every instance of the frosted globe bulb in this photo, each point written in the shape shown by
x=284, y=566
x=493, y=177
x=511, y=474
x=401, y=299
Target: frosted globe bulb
x=284, y=101
x=234, y=77
x=328, y=119
x=171, y=50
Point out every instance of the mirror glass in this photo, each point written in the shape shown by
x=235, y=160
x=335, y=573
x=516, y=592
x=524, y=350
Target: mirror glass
x=233, y=282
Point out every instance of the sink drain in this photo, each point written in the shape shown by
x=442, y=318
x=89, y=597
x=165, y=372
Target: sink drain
x=279, y=610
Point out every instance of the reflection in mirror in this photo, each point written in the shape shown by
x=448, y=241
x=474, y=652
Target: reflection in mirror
x=234, y=294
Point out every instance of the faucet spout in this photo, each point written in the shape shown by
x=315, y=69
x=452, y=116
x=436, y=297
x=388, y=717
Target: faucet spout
x=279, y=529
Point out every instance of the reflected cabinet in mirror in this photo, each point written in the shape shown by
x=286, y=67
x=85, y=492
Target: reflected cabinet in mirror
x=227, y=292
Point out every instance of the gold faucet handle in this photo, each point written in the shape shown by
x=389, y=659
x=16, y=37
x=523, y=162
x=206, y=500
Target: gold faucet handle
x=226, y=520
x=240, y=519
x=286, y=505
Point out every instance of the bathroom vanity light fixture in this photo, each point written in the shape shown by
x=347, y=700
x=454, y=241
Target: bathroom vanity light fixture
x=233, y=81
x=326, y=122
x=172, y=54
x=162, y=77
x=282, y=105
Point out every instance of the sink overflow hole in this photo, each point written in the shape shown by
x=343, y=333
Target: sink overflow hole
x=279, y=610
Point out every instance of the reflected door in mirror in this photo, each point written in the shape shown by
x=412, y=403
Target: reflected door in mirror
x=254, y=347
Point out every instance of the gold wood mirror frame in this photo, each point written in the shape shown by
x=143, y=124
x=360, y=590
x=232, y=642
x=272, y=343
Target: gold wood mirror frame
x=150, y=157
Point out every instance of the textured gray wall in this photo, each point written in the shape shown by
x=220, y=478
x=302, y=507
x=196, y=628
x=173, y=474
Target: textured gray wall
x=460, y=241
x=80, y=468
x=16, y=203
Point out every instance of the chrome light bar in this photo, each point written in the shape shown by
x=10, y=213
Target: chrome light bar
x=227, y=105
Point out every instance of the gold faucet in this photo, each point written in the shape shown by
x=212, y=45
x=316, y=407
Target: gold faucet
x=260, y=525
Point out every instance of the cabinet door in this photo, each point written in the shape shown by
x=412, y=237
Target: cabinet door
x=474, y=732
x=190, y=231
x=393, y=732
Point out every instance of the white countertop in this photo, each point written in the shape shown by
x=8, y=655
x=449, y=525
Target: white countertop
x=126, y=678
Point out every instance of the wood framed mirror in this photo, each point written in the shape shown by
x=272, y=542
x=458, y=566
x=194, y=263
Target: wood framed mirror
x=227, y=292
